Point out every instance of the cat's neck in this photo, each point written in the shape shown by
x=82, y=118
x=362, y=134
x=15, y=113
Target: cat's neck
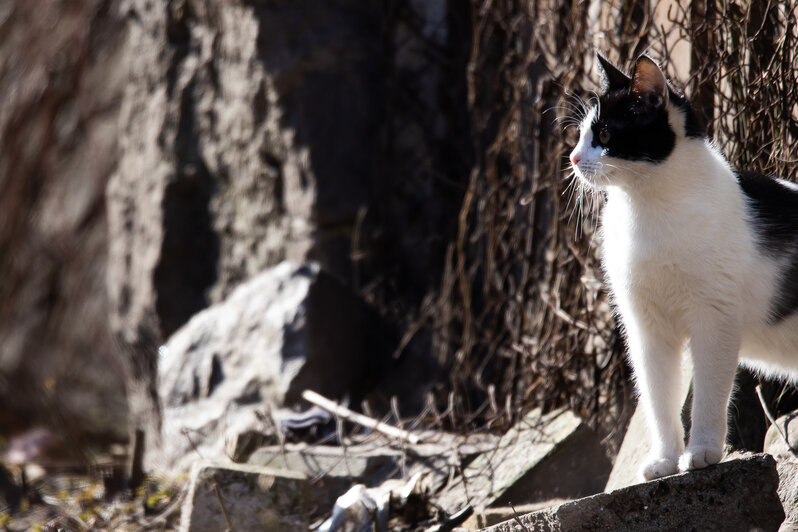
x=693, y=169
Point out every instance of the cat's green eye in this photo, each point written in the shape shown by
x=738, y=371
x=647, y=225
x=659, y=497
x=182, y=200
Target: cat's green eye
x=604, y=136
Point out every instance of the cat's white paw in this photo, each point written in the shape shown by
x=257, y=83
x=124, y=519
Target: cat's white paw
x=699, y=458
x=658, y=467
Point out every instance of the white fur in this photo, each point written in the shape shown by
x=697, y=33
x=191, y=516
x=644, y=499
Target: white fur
x=684, y=270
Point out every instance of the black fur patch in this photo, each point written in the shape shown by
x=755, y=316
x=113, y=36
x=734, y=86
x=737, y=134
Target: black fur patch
x=638, y=130
x=693, y=126
x=774, y=209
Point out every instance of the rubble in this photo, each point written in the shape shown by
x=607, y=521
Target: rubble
x=236, y=497
x=373, y=462
x=362, y=510
x=542, y=457
x=633, y=452
x=361, y=463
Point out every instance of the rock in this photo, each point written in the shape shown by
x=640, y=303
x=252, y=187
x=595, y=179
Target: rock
x=736, y=495
x=232, y=157
x=788, y=493
x=774, y=442
x=542, y=457
x=633, y=452
x=289, y=329
x=787, y=465
x=334, y=469
x=236, y=497
x=61, y=79
x=485, y=517
x=747, y=424
x=372, y=463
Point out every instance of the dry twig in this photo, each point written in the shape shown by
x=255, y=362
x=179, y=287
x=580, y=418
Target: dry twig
x=360, y=419
x=770, y=417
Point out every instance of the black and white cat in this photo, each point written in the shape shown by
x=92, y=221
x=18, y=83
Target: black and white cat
x=695, y=253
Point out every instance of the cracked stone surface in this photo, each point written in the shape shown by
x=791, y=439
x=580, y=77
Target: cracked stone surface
x=739, y=494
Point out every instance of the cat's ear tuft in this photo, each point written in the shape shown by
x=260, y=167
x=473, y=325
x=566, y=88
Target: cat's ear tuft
x=613, y=78
x=649, y=82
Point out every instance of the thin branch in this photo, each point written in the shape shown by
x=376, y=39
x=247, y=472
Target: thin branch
x=771, y=418
x=224, y=509
x=360, y=419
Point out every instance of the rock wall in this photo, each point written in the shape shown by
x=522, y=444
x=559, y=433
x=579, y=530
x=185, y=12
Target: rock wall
x=253, y=132
x=61, y=79
x=154, y=155
x=247, y=129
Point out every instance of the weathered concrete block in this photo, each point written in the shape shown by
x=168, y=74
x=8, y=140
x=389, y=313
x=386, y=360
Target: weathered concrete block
x=240, y=498
x=354, y=462
x=334, y=469
x=736, y=495
x=542, y=457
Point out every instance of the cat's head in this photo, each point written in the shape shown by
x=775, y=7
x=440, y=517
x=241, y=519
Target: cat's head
x=637, y=122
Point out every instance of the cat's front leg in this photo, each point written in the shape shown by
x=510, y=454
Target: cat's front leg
x=715, y=352
x=656, y=358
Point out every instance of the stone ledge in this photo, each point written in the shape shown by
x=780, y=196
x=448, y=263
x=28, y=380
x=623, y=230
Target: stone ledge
x=736, y=495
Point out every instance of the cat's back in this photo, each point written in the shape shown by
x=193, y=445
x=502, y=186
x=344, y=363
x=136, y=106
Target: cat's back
x=772, y=207
x=773, y=210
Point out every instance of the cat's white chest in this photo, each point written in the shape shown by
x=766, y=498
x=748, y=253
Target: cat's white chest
x=652, y=260
x=636, y=247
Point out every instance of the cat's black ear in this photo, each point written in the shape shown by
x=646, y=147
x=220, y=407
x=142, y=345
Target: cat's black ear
x=649, y=82
x=613, y=78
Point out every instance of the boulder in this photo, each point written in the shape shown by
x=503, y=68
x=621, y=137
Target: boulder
x=289, y=329
x=236, y=497
x=540, y=458
x=735, y=495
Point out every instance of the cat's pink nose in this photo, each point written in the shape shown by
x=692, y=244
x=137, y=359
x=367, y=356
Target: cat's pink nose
x=575, y=159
